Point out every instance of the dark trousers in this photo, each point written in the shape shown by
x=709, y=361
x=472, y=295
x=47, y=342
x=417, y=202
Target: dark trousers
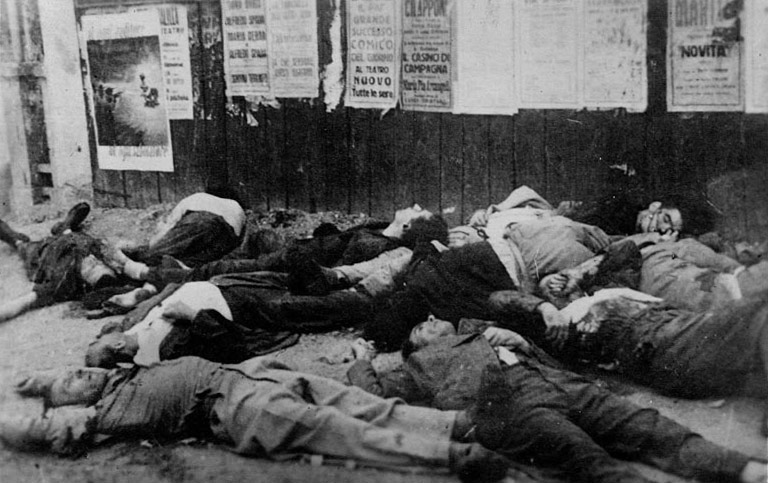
x=197, y=238
x=561, y=419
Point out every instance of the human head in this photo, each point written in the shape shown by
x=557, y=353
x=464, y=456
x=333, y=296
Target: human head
x=403, y=220
x=660, y=218
x=77, y=386
x=110, y=349
x=429, y=331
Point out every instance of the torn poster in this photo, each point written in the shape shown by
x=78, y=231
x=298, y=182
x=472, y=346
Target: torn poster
x=548, y=51
x=177, y=73
x=373, y=53
x=485, y=68
x=756, y=56
x=123, y=54
x=244, y=30
x=615, y=73
x=704, y=56
x=293, y=59
x=427, y=68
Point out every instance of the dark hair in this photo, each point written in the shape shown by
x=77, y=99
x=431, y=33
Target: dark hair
x=426, y=229
x=395, y=316
x=408, y=348
x=698, y=217
x=223, y=191
x=105, y=358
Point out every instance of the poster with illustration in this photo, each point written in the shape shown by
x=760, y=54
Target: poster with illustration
x=124, y=58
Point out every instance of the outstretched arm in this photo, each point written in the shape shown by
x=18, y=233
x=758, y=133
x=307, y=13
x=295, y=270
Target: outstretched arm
x=61, y=430
x=17, y=306
x=394, y=383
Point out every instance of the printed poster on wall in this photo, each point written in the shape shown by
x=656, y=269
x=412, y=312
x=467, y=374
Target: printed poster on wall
x=427, y=50
x=128, y=91
x=485, y=68
x=244, y=30
x=615, y=73
x=293, y=60
x=704, y=56
x=756, y=58
x=177, y=70
x=373, y=53
x=548, y=52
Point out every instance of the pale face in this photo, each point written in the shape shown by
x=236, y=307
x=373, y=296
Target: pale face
x=403, y=220
x=109, y=349
x=659, y=220
x=78, y=386
x=430, y=330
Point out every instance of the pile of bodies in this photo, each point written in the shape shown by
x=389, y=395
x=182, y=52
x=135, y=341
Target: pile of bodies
x=494, y=320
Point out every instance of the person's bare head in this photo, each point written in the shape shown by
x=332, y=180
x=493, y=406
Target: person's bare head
x=110, y=349
x=76, y=386
x=660, y=218
x=415, y=224
x=426, y=332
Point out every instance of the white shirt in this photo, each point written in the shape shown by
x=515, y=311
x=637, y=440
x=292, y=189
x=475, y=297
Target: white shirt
x=155, y=327
x=228, y=209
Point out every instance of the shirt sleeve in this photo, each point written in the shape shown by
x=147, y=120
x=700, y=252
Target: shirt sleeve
x=395, y=383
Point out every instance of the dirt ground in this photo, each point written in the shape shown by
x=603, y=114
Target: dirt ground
x=57, y=336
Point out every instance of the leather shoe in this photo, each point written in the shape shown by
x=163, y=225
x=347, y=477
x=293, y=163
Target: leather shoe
x=76, y=215
x=475, y=464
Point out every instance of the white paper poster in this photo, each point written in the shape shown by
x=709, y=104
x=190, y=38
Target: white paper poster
x=293, y=60
x=427, y=67
x=373, y=53
x=756, y=59
x=548, y=51
x=704, y=56
x=615, y=73
x=177, y=71
x=127, y=88
x=244, y=30
x=485, y=79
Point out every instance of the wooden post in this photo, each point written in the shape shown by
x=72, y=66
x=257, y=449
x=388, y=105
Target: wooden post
x=14, y=160
x=65, y=114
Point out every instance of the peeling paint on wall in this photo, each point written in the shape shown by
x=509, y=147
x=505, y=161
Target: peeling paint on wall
x=332, y=76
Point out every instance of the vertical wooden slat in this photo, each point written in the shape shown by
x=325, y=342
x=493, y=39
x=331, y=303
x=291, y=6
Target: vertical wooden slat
x=297, y=153
x=530, y=150
x=477, y=164
x=360, y=173
x=405, y=139
x=214, y=150
x=452, y=168
x=335, y=156
x=425, y=183
x=384, y=160
x=502, y=159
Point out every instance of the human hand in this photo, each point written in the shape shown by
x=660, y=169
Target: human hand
x=505, y=338
x=552, y=316
x=363, y=350
x=35, y=385
x=669, y=235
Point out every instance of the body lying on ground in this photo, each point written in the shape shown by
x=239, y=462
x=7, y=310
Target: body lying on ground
x=535, y=413
x=63, y=267
x=258, y=408
x=201, y=228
